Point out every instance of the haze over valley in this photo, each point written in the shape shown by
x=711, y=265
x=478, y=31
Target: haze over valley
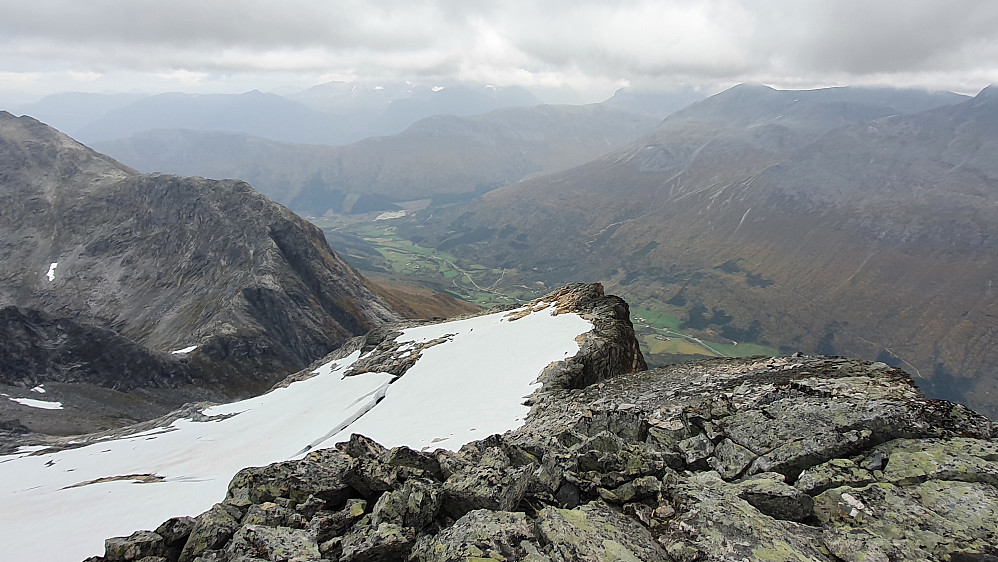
x=762, y=218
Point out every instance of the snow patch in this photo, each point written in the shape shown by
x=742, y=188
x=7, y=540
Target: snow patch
x=444, y=394
x=185, y=350
x=437, y=88
x=467, y=388
x=196, y=460
x=51, y=273
x=42, y=404
x=38, y=389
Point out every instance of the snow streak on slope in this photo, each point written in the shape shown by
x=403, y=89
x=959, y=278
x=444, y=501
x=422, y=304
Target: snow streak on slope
x=43, y=404
x=464, y=389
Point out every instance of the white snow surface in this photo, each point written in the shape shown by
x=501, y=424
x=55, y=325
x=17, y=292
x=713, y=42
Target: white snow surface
x=43, y=404
x=39, y=389
x=51, y=273
x=185, y=350
x=465, y=389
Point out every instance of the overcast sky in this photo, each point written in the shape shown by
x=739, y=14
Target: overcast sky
x=594, y=47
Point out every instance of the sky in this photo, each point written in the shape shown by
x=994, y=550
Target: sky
x=551, y=46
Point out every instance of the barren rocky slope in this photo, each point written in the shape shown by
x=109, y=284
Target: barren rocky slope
x=797, y=458
x=247, y=288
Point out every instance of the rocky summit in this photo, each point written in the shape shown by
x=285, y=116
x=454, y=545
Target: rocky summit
x=796, y=458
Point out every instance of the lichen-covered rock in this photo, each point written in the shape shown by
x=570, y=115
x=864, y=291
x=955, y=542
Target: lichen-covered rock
x=138, y=545
x=414, y=504
x=416, y=460
x=594, y=532
x=481, y=533
x=175, y=532
x=832, y=474
x=277, y=544
x=328, y=524
x=768, y=493
x=492, y=484
x=696, y=449
x=933, y=519
x=273, y=515
x=712, y=520
x=212, y=529
x=912, y=461
x=370, y=471
x=386, y=541
x=319, y=474
x=730, y=459
x=799, y=458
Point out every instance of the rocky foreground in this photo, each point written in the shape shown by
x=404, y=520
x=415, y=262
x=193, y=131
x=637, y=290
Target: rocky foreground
x=799, y=458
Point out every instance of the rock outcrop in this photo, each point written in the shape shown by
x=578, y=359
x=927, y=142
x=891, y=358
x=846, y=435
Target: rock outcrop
x=606, y=351
x=798, y=458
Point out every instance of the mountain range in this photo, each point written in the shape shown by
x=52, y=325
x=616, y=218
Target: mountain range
x=787, y=218
x=843, y=221
x=444, y=158
x=333, y=113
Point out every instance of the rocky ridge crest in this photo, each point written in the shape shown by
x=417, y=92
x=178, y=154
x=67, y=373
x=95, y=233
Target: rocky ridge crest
x=796, y=458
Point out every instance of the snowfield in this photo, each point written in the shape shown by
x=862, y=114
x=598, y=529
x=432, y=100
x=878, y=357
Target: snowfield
x=42, y=404
x=62, y=505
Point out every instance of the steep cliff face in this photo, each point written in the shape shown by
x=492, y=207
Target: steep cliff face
x=247, y=289
x=797, y=458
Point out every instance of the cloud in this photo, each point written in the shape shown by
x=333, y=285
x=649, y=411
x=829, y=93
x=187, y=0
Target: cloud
x=581, y=42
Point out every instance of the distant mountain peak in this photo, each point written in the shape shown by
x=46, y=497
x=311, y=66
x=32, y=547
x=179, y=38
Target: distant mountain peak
x=987, y=95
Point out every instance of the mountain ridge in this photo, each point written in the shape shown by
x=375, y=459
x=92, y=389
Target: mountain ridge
x=246, y=289
x=442, y=157
x=793, y=458
x=716, y=215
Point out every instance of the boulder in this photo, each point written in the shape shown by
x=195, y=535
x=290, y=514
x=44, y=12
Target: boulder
x=212, y=529
x=368, y=543
x=481, y=533
x=277, y=544
x=138, y=545
x=594, y=532
x=492, y=484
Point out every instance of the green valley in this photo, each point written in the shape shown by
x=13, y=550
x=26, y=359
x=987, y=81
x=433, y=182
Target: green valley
x=376, y=246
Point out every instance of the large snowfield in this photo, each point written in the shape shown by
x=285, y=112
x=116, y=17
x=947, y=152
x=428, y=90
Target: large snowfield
x=62, y=505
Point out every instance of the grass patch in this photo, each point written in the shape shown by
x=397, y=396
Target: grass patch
x=655, y=319
x=745, y=349
x=674, y=345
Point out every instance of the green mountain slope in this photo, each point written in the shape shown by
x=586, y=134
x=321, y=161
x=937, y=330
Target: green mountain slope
x=764, y=215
